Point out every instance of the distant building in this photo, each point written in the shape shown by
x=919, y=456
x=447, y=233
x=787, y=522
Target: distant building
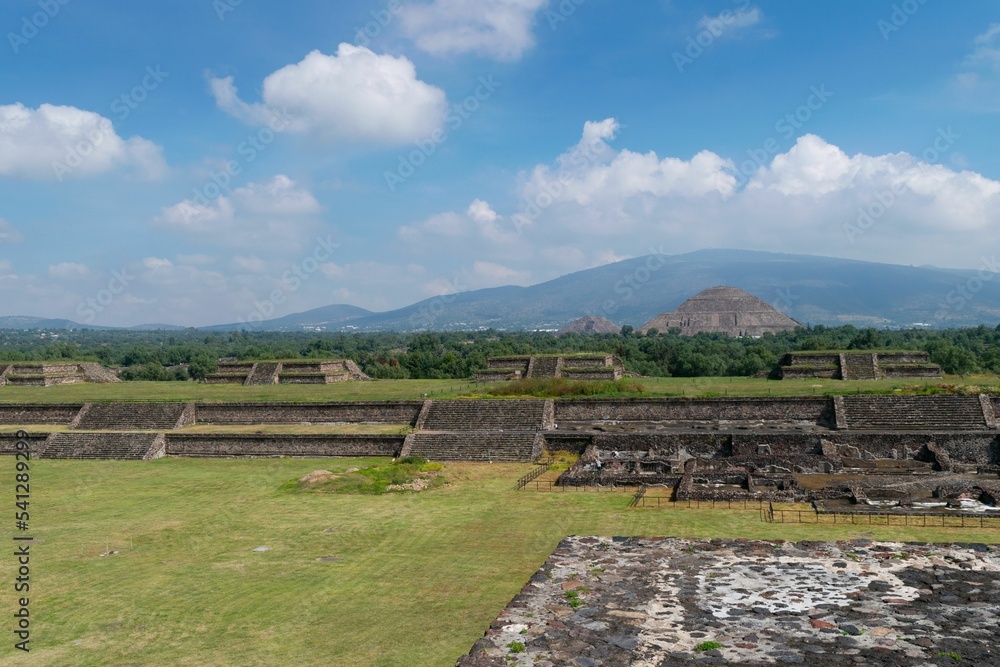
x=727, y=310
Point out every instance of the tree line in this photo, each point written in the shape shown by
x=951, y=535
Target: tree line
x=191, y=354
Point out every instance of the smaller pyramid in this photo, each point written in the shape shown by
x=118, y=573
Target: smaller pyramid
x=727, y=310
x=591, y=324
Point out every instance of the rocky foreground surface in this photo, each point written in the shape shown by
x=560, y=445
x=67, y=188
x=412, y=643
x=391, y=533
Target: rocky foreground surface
x=636, y=602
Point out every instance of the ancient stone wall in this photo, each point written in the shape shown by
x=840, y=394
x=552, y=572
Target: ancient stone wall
x=221, y=445
x=812, y=410
x=375, y=412
x=8, y=442
x=54, y=413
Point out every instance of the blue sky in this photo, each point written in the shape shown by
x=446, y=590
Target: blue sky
x=223, y=160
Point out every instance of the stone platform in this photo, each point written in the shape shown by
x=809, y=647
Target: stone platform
x=602, y=602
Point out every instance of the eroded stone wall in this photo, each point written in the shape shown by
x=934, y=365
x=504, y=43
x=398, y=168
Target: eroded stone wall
x=221, y=445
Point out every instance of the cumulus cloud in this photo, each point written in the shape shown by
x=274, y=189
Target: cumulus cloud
x=813, y=195
x=59, y=142
x=500, y=29
x=275, y=215
x=354, y=95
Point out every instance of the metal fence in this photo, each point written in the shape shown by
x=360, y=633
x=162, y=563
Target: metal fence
x=551, y=486
x=772, y=515
x=536, y=472
x=666, y=501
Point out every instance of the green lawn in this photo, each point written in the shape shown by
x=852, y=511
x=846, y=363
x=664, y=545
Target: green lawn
x=419, y=579
x=383, y=390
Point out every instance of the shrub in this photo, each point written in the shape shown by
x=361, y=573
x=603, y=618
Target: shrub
x=707, y=646
x=554, y=387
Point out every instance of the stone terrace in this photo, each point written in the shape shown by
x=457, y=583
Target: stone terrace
x=485, y=415
x=632, y=602
x=475, y=446
x=915, y=412
x=134, y=416
x=105, y=446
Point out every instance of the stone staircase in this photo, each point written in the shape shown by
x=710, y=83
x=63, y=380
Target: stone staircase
x=263, y=373
x=901, y=413
x=104, y=446
x=476, y=446
x=858, y=367
x=133, y=416
x=485, y=415
x=545, y=367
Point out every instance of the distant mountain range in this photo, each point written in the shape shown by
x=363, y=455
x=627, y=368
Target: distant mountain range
x=810, y=289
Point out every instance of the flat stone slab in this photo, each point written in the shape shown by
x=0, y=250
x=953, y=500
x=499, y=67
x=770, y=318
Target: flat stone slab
x=661, y=602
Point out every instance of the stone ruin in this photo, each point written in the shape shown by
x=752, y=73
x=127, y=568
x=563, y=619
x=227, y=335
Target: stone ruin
x=591, y=324
x=324, y=371
x=573, y=367
x=727, y=310
x=863, y=453
x=665, y=602
x=45, y=374
x=858, y=365
x=848, y=454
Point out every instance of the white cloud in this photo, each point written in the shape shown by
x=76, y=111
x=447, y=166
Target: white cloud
x=500, y=29
x=8, y=233
x=58, y=142
x=729, y=22
x=355, y=95
x=976, y=86
x=987, y=51
x=274, y=215
x=68, y=271
x=252, y=264
x=491, y=274
x=805, y=198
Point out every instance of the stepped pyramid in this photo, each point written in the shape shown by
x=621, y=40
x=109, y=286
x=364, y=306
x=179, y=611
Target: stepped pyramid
x=727, y=310
x=591, y=324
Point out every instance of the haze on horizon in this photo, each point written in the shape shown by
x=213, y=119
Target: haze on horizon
x=200, y=161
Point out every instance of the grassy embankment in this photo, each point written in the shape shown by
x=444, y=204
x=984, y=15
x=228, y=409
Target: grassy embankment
x=386, y=390
x=415, y=577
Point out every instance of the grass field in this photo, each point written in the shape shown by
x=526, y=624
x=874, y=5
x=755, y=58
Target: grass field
x=419, y=579
x=384, y=390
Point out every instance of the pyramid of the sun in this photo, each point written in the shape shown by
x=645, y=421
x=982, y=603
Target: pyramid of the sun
x=591, y=324
x=727, y=310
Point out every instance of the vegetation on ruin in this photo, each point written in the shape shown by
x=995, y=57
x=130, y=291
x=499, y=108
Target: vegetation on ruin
x=419, y=579
x=408, y=474
x=563, y=388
